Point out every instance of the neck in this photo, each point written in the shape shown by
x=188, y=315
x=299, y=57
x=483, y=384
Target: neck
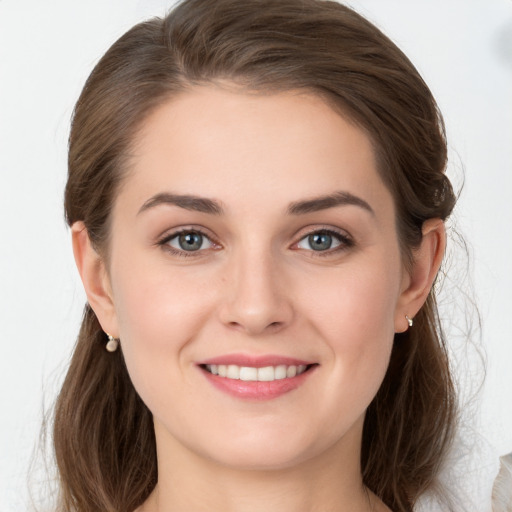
x=329, y=482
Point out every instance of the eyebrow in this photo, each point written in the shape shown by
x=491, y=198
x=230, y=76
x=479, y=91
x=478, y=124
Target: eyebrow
x=328, y=201
x=188, y=202
x=210, y=206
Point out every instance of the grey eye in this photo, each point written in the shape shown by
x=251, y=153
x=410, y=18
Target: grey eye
x=320, y=241
x=190, y=241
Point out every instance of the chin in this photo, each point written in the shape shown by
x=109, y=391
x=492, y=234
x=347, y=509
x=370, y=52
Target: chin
x=266, y=459
x=256, y=451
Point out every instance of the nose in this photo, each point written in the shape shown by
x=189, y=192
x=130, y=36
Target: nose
x=255, y=296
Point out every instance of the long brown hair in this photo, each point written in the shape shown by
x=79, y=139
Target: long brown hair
x=103, y=433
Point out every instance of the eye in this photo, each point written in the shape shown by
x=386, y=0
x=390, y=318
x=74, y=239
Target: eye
x=324, y=241
x=187, y=241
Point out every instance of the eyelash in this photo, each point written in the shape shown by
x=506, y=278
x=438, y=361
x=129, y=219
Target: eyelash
x=164, y=242
x=345, y=242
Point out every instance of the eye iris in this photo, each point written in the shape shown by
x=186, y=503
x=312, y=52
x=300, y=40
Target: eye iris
x=190, y=241
x=320, y=241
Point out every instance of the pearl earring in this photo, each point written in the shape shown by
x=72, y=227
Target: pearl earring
x=112, y=343
x=409, y=321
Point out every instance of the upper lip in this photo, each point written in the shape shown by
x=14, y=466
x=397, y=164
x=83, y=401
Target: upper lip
x=255, y=361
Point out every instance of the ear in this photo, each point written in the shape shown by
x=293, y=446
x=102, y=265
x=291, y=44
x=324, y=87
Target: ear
x=419, y=280
x=95, y=279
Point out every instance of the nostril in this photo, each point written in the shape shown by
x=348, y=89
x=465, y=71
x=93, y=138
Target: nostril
x=274, y=326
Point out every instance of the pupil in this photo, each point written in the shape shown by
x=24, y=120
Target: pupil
x=320, y=241
x=191, y=241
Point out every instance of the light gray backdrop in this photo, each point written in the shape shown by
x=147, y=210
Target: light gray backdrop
x=463, y=48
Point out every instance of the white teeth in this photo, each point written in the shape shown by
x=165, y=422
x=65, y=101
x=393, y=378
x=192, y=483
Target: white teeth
x=280, y=372
x=266, y=374
x=233, y=372
x=291, y=371
x=249, y=373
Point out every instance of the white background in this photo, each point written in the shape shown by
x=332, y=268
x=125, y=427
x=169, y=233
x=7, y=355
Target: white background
x=463, y=48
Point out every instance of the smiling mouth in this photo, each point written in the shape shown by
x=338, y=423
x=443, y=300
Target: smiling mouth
x=254, y=374
x=257, y=378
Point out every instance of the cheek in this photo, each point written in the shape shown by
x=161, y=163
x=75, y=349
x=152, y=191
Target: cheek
x=159, y=313
x=156, y=302
x=360, y=299
x=355, y=313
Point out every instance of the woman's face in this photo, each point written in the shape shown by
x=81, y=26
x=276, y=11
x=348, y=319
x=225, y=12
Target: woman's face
x=253, y=237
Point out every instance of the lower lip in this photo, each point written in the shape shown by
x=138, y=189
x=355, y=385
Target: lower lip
x=257, y=390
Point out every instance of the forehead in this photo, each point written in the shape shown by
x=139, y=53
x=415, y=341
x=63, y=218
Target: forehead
x=243, y=148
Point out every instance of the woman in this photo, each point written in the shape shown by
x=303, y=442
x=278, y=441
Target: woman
x=257, y=200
